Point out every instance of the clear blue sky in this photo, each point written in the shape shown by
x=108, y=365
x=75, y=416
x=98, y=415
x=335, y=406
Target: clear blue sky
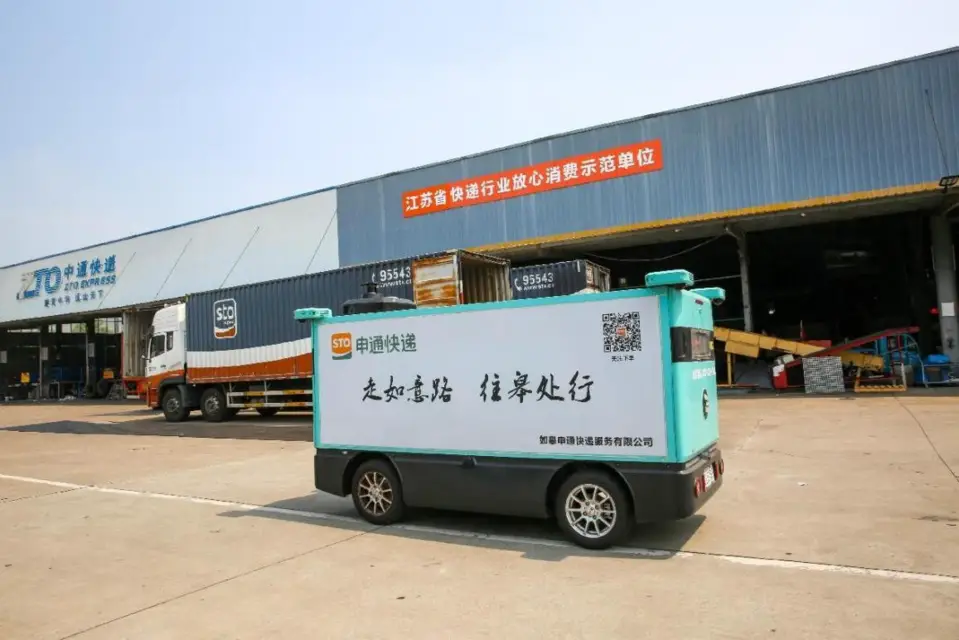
x=118, y=117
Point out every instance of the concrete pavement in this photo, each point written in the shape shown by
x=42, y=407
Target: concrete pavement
x=826, y=503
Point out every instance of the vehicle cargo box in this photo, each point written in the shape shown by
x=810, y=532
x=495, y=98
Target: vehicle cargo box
x=558, y=279
x=247, y=332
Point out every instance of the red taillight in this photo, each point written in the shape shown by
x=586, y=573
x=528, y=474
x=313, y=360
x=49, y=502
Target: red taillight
x=698, y=486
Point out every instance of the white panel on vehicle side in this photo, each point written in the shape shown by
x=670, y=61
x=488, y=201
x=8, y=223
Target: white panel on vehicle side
x=249, y=356
x=273, y=241
x=593, y=380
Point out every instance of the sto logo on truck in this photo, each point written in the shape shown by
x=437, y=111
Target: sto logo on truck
x=224, y=319
x=342, y=346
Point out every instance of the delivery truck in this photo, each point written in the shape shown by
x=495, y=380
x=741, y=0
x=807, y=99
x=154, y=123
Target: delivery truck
x=598, y=410
x=239, y=348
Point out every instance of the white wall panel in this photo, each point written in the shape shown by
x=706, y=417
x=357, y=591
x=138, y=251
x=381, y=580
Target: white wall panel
x=278, y=240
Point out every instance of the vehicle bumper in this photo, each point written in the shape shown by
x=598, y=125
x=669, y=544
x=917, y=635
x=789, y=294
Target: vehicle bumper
x=669, y=493
x=329, y=466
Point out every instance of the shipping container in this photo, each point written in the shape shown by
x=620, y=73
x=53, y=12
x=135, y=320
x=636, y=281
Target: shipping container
x=558, y=279
x=246, y=332
x=136, y=333
x=137, y=328
x=460, y=277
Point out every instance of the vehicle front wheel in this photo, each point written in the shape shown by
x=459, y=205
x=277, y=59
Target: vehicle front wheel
x=593, y=511
x=377, y=493
x=213, y=405
x=172, y=405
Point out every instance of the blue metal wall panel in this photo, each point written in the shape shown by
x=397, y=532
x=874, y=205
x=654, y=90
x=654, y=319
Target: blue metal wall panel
x=864, y=131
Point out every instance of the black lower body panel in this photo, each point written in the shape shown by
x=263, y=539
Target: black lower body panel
x=670, y=493
x=522, y=486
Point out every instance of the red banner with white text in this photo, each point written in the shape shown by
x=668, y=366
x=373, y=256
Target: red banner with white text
x=628, y=160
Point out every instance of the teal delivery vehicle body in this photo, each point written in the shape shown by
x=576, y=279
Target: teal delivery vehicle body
x=598, y=410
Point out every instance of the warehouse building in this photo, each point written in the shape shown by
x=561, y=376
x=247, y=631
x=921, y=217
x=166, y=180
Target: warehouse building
x=824, y=209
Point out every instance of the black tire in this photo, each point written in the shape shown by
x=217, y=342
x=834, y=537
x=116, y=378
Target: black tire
x=172, y=404
x=213, y=405
x=379, y=473
x=594, y=487
x=267, y=412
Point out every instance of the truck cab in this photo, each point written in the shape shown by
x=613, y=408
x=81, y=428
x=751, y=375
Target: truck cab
x=166, y=350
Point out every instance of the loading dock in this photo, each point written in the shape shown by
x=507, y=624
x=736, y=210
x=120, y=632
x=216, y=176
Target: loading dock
x=80, y=356
x=815, y=276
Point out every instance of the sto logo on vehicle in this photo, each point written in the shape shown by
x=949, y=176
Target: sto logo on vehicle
x=341, y=344
x=224, y=319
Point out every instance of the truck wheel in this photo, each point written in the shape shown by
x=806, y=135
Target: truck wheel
x=172, y=404
x=377, y=493
x=267, y=412
x=213, y=405
x=593, y=511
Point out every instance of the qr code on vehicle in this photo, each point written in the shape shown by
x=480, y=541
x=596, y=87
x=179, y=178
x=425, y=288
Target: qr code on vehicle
x=621, y=332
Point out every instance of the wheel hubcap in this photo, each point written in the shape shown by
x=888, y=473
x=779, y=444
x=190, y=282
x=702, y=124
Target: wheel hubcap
x=212, y=404
x=590, y=511
x=375, y=493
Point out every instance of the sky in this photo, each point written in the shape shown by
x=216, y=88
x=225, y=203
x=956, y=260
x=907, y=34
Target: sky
x=124, y=116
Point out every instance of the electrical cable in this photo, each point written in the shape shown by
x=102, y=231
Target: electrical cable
x=659, y=259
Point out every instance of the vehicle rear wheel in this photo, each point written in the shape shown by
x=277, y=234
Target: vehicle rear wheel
x=267, y=412
x=593, y=510
x=377, y=493
x=173, y=407
x=213, y=405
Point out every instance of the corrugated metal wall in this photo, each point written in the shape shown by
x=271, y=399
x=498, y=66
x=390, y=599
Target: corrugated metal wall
x=865, y=131
x=264, y=311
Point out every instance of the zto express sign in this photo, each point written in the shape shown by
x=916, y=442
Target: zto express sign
x=642, y=157
x=341, y=344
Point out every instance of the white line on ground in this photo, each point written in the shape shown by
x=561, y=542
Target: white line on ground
x=517, y=540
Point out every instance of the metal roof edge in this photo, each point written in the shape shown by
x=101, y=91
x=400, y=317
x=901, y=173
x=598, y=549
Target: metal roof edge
x=729, y=214
x=171, y=227
x=84, y=316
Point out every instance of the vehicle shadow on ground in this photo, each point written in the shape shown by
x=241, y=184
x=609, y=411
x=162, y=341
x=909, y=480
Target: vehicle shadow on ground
x=536, y=539
x=234, y=430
